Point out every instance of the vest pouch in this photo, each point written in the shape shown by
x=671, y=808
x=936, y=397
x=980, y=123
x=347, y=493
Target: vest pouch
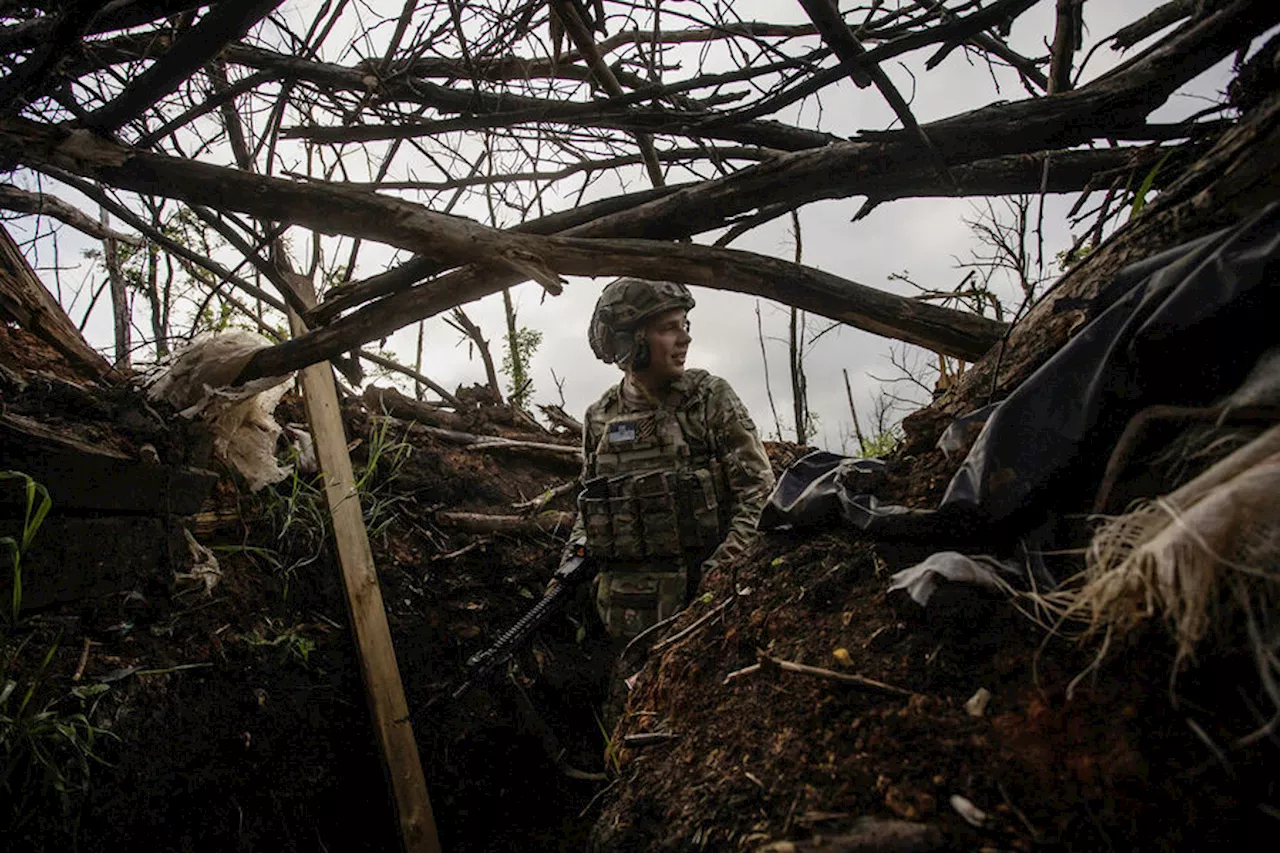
x=700, y=515
x=628, y=543
x=597, y=526
x=629, y=602
x=656, y=502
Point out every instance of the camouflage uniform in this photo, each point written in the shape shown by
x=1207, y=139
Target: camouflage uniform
x=720, y=438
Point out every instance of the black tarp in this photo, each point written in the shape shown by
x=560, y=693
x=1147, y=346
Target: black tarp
x=1184, y=327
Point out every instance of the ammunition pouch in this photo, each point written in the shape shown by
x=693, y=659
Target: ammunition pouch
x=651, y=518
x=656, y=515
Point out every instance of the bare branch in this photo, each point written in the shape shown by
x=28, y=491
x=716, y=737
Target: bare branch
x=226, y=22
x=43, y=204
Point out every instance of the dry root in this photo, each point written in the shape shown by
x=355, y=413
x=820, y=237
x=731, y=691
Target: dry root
x=1205, y=560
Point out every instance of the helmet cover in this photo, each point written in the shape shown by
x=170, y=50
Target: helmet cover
x=617, y=324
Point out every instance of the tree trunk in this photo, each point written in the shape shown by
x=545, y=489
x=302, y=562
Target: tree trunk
x=119, y=298
x=513, y=350
x=159, y=306
x=795, y=354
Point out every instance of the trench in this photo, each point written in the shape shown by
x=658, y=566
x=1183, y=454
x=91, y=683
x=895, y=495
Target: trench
x=235, y=718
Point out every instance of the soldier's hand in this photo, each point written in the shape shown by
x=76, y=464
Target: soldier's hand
x=552, y=586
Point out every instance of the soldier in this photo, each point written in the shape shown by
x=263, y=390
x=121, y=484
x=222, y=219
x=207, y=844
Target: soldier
x=674, y=475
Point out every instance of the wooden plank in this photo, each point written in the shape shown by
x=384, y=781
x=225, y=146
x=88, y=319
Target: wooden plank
x=25, y=298
x=364, y=596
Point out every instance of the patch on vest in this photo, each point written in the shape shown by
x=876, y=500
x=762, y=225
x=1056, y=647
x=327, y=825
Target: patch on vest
x=622, y=431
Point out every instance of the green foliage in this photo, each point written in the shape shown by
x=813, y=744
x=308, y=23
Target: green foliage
x=1140, y=195
x=880, y=445
x=37, y=507
x=47, y=751
x=386, y=459
x=517, y=368
x=292, y=643
x=611, y=752
x=298, y=513
x=1068, y=258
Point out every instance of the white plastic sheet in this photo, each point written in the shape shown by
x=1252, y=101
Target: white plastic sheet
x=922, y=579
x=197, y=383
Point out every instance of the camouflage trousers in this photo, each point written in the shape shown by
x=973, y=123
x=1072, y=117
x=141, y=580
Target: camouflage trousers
x=631, y=600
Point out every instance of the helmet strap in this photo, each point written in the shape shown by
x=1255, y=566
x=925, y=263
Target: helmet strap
x=641, y=356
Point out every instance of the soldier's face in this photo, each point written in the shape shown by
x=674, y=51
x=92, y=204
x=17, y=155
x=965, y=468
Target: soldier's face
x=668, y=337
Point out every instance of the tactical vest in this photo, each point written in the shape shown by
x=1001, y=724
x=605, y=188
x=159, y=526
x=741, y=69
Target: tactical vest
x=656, y=509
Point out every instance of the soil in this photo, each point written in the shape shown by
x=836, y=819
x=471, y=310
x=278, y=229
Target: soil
x=235, y=718
x=776, y=755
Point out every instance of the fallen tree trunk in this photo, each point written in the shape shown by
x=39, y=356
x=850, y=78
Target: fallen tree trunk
x=397, y=405
x=1050, y=171
x=514, y=525
x=24, y=298
x=944, y=330
x=559, y=453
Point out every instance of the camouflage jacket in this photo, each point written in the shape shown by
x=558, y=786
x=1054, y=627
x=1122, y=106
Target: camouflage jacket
x=716, y=425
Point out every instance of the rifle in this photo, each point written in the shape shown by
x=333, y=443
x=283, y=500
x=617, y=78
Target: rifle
x=576, y=570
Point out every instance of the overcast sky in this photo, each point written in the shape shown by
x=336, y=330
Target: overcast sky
x=921, y=237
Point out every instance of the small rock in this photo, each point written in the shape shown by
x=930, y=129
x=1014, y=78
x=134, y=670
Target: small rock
x=977, y=704
x=972, y=815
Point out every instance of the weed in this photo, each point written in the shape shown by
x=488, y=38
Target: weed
x=881, y=444
x=610, y=752
x=37, y=507
x=298, y=512
x=1140, y=195
x=386, y=458
x=47, y=751
x=291, y=642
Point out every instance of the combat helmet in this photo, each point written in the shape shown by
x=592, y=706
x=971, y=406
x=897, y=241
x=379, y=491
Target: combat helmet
x=617, y=324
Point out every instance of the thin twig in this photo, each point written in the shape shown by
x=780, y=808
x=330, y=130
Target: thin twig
x=857, y=681
x=668, y=642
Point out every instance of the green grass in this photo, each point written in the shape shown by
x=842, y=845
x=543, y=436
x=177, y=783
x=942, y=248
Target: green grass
x=297, y=511
x=47, y=750
x=292, y=642
x=37, y=507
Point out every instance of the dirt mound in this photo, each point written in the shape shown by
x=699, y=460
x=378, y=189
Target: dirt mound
x=765, y=754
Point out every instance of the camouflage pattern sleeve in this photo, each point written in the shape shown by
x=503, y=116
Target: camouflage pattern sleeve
x=590, y=440
x=747, y=469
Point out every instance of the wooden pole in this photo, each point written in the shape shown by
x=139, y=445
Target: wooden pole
x=364, y=597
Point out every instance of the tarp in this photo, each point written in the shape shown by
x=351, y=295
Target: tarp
x=197, y=381
x=1185, y=327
